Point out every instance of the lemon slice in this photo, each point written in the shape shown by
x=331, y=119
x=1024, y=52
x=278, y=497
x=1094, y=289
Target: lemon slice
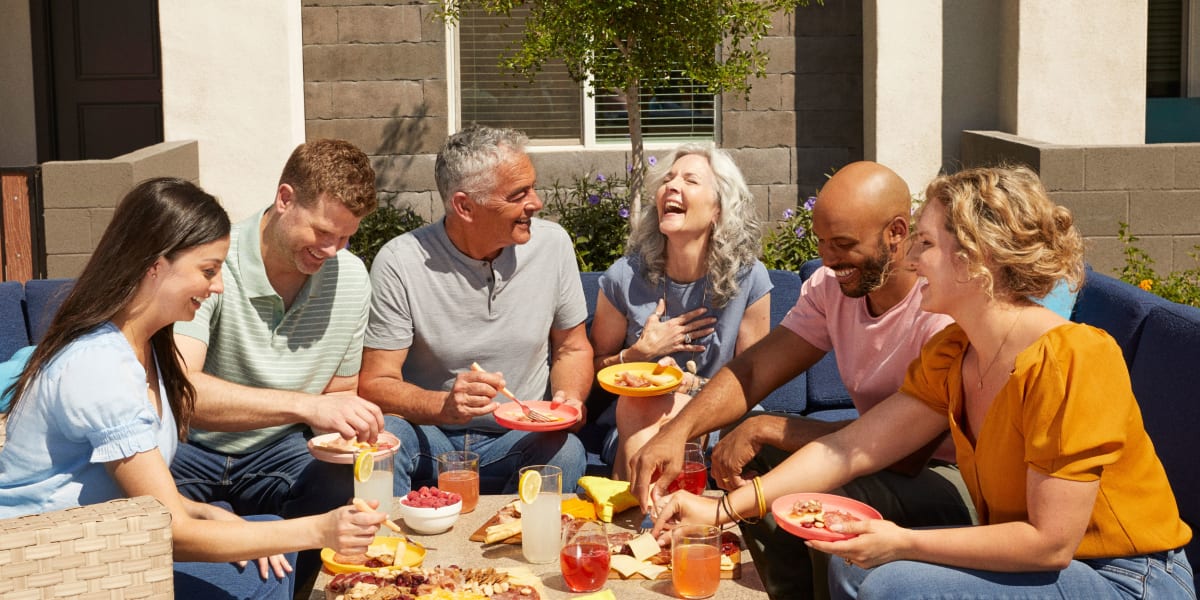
x=364, y=466
x=529, y=486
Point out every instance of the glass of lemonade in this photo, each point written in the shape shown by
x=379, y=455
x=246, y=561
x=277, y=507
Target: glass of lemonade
x=695, y=560
x=378, y=486
x=541, y=520
x=458, y=472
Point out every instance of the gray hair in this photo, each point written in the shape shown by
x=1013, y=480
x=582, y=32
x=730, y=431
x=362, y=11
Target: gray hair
x=468, y=161
x=736, y=240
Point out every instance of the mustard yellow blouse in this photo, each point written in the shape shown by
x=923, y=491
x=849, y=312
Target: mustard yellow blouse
x=1068, y=411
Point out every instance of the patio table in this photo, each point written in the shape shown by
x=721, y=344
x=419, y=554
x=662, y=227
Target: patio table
x=453, y=547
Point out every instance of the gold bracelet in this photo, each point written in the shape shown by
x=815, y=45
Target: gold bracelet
x=734, y=514
x=760, y=497
x=621, y=356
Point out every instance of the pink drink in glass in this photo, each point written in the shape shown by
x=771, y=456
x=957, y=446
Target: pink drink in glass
x=584, y=566
x=693, y=478
x=465, y=484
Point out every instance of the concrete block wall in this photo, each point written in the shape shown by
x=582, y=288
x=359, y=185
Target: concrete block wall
x=1155, y=188
x=79, y=197
x=375, y=74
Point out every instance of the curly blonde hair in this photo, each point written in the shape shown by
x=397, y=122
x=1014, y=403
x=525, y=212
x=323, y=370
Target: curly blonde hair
x=1012, y=235
x=736, y=239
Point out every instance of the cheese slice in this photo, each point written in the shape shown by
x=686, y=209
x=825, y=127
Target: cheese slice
x=643, y=546
x=625, y=565
x=651, y=571
x=726, y=563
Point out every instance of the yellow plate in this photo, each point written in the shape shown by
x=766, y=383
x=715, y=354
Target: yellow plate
x=608, y=379
x=414, y=554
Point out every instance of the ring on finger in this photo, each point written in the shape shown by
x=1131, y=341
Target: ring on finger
x=848, y=561
x=687, y=338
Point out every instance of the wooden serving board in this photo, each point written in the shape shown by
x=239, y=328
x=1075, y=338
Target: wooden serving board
x=478, y=536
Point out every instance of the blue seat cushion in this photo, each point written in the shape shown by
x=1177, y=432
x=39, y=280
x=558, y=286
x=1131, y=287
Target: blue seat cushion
x=14, y=335
x=1116, y=307
x=42, y=299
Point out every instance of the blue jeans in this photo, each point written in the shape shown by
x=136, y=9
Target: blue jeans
x=206, y=580
x=1159, y=576
x=281, y=479
x=501, y=455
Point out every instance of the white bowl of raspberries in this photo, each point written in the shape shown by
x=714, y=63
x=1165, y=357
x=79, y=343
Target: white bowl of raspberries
x=429, y=510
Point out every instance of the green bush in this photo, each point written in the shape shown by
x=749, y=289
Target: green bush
x=1179, y=286
x=379, y=227
x=791, y=243
x=595, y=212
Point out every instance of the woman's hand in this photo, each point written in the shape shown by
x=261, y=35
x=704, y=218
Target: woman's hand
x=684, y=507
x=276, y=563
x=879, y=541
x=677, y=334
x=349, y=530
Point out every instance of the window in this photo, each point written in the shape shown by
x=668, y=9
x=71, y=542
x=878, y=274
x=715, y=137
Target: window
x=553, y=109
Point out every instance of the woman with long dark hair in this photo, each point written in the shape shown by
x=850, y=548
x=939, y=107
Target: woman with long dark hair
x=103, y=402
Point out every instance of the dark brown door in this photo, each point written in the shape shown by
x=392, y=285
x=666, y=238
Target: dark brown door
x=101, y=81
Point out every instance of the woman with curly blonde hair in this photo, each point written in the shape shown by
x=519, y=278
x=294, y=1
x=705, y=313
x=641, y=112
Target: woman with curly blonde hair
x=690, y=288
x=1046, y=429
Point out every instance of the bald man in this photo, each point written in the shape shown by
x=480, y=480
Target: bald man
x=865, y=305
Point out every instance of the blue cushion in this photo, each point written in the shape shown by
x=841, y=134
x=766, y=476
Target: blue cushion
x=790, y=397
x=1116, y=307
x=42, y=299
x=1165, y=381
x=10, y=370
x=591, y=289
x=13, y=333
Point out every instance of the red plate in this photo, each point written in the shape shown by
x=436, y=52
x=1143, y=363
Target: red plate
x=782, y=509
x=509, y=415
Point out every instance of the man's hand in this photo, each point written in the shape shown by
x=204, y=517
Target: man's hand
x=661, y=459
x=347, y=414
x=473, y=394
x=733, y=452
x=561, y=399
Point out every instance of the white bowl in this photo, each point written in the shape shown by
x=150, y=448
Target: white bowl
x=430, y=520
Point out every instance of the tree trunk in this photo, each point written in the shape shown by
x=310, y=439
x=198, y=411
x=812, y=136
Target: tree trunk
x=637, y=173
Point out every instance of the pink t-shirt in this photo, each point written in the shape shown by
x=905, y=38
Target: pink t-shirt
x=873, y=353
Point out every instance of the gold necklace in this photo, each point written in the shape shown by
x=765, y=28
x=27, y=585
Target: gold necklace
x=999, y=351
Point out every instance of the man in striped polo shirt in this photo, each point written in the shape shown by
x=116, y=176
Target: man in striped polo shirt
x=276, y=355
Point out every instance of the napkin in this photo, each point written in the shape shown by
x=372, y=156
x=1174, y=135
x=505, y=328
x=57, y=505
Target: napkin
x=609, y=495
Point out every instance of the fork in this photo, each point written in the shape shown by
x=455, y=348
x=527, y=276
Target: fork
x=533, y=415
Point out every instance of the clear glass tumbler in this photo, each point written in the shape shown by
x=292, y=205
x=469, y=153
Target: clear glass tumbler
x=584, y=557
x=458, y=472
x=541, y=520
x=695, y=560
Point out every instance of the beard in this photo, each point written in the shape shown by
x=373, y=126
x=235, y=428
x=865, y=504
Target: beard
x=873, y=272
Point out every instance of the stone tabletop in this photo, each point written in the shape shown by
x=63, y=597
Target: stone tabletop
x=453, y=547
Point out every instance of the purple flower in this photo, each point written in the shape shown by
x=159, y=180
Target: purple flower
x=800, y=231
x=787, y=214
x=810, y=203
x=652, y=161
x=593, y=199
x=606, y=194
x=628, y=168
x=624, y=212
x=600, y=177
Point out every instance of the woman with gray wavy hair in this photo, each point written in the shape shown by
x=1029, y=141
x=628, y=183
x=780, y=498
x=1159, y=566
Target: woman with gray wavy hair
x=690, y=288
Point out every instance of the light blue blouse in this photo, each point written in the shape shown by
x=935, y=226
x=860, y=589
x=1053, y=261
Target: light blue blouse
x=633, y=296
x=87, y=407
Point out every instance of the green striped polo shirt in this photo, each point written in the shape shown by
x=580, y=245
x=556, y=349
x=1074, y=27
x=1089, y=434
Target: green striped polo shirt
x=253, y=341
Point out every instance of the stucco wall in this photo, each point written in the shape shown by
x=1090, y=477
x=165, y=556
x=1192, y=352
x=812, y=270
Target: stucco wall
x=18, y=132
x=1153, y=188
x=375, y=74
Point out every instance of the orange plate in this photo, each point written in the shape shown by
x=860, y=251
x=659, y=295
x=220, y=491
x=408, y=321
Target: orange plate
x=509, y=415
x=608, y=379
x=414, y=554
x=782, y=509
x=345, y=458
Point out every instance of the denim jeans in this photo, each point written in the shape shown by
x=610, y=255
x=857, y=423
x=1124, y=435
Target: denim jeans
x=1158, y=576
x=217, y=581
x=281, y=479
x=501, y=455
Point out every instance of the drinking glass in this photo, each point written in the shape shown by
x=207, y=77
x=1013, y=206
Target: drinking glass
x=694, y=476
x=458, y=472
x=379, y=485
x=541, y=521
x=585, y=556
x=695, y=560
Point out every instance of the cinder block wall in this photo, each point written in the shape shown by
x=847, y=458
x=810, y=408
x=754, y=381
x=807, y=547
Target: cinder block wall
x=1155, y=188
x=375, y=74
x=79, y=197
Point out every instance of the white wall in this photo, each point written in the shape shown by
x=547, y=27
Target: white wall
x=18, y=130
x=1081, y=71
x=902, y=87
x=233, y=80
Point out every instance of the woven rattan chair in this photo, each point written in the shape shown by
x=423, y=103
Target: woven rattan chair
x=117, y=549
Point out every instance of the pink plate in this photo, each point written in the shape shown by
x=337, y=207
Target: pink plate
x=316, y=448
x=509, y=415
x=782, y=509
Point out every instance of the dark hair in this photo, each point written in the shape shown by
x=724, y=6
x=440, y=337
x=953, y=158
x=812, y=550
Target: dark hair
x=157, y=219
x=334, y=167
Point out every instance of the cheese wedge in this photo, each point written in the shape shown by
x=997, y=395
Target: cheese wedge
x=643, y=546
x=651, y=571
x=501, y=531
x=625, y=565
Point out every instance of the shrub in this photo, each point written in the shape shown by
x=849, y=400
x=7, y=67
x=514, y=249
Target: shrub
x=1179, y=286
x=791, y=243
x=377, y=228
x=595, y=212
